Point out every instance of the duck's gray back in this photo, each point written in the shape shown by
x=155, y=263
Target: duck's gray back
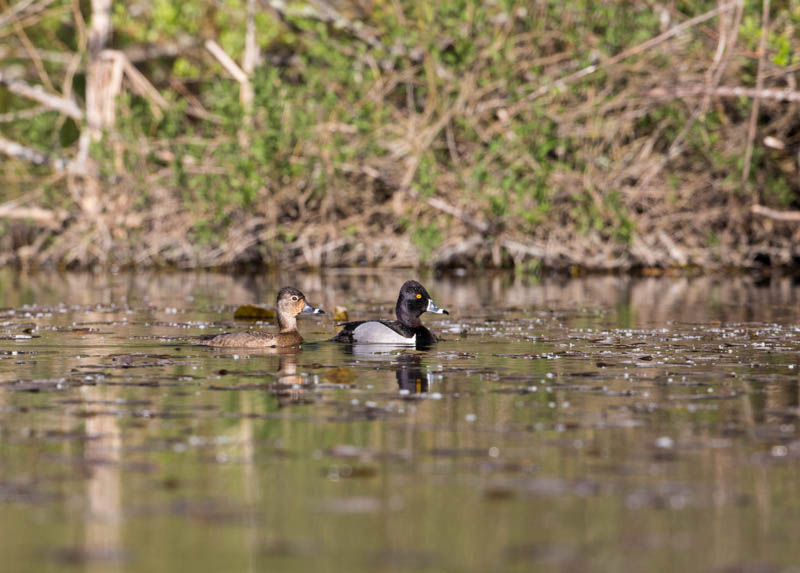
x=378, y=333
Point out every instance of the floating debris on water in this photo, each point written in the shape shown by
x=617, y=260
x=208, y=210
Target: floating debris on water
x=253, y=312
x=612, y=405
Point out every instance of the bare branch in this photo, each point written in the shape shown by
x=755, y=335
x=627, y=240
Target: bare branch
x=9, y=53
x=751, y=127
x=643, y=47
x=713, y=77
x=226, y=61
x=445, y=207
x=786, y=95
x=22, y=8
x=18, y=151
x=527, y=250
x=42, y=216
x=790, y=216
x=37, y=94
x=250, y=59
x=101, y=79
x=324, y=12
x=29, y=113
x=22, y=36
x=140, y=84
x=145, y=52
x=249, y=62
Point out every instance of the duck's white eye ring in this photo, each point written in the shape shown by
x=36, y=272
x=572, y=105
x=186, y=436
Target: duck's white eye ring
x=294, y=298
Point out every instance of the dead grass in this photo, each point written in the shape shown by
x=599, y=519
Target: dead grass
x=533, y=152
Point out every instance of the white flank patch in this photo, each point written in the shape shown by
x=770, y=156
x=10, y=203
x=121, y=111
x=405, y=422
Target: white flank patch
x=377, y=333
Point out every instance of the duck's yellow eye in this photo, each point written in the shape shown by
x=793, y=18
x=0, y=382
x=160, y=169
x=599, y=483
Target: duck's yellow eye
x=419, y=296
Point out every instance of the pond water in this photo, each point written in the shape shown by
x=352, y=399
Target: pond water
x=602, y=423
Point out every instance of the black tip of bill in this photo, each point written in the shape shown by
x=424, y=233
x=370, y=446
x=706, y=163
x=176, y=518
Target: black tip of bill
x=434, y=308
x=308, y=309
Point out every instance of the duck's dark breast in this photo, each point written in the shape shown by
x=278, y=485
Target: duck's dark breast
x=425, y=337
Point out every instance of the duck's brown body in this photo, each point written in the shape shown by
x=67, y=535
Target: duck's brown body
x=291, y=302
x=253, y=339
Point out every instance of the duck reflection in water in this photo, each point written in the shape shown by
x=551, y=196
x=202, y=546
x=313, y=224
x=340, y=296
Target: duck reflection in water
x=289, y=387
x=411, y=375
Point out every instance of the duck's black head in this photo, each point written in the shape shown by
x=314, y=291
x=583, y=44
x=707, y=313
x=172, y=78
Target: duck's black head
x=412, y=302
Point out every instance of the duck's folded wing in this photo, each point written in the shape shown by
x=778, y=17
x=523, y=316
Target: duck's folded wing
x=238, y=339
x=346, y=333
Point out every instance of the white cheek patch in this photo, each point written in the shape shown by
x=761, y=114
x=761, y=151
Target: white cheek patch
x=377, y=333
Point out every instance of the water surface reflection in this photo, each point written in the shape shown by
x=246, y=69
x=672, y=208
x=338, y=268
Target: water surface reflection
x=602, y=423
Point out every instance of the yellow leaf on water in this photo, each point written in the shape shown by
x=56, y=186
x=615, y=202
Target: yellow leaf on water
x=340, y=376
x=340, y=313
x=253, y=312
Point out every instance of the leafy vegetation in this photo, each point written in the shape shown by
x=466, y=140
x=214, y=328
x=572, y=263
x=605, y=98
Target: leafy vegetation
x=382, y=127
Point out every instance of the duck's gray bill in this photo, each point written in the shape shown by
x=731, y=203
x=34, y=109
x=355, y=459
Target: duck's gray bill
x=432, y=307
x=308, y=309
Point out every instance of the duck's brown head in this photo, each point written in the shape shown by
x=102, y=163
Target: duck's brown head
x=292, y=302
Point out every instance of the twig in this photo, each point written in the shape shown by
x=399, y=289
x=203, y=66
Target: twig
x=249, y=63
x=446, y=256
x=251, y=56
x=145, y=52
x=99, y=99
x=430, y=134
x=243, y=77
x=445, y=207
x=66, y=106
x=644, y=46
x=31, y=50
x=195, y=107
x=22, y=114
x=44, y=216
x=713, y=77
x=790, y=216
x=643, y=252
x=9, y=53
x=521, y=249
x=786, y=95
x=81, y=41
x=15, y=12
x=451, y=144
x=226, y=61
x=140, y=84
x=316, y=253
x=324, y=12
x=14, y=149
x=751, y=127
x=674, y=251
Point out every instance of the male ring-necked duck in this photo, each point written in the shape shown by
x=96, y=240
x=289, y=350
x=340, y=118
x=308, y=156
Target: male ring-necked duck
x=406, y=330
x=291, y=302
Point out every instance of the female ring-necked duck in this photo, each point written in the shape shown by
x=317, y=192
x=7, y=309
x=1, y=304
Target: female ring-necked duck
x=406, y=330
x=291, y=302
